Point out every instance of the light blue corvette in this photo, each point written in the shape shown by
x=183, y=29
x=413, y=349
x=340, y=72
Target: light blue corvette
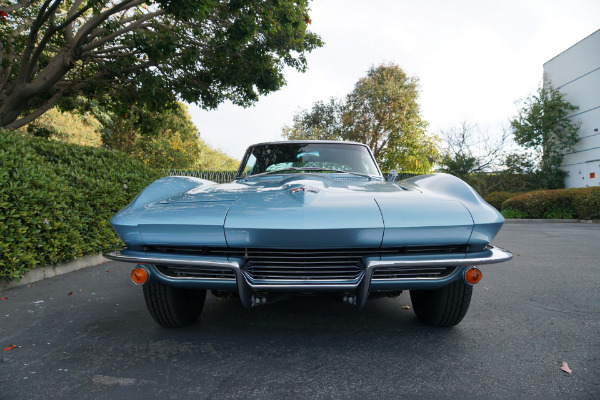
x=307, y=217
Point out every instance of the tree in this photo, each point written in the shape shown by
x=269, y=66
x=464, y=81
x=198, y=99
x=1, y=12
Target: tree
x=469, y=151
x=382, y=112
x=165, y=140
x=543, y=124
x=70, y=127
x=322, y=122
x=215, y=160
x=155, y=51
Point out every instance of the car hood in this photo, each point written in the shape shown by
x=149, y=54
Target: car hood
x=302, y=211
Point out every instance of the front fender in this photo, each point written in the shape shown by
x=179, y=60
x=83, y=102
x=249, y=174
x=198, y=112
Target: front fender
x=486, y=219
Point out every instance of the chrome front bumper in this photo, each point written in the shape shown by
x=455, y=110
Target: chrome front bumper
x=361, y=286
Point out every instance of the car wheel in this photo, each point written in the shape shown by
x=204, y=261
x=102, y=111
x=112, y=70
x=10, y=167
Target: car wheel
x=443, y=307
x=173, y=307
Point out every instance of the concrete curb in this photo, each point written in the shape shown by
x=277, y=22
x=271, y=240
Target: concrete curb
x=547, y=221
x=51, y=271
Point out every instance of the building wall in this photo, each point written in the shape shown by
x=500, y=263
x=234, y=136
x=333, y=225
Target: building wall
x=576, y=72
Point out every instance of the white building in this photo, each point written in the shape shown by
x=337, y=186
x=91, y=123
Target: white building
x=576, y=72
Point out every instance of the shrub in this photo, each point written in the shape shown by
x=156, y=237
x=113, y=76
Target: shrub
x=513, y=214
x=536, y=204
x=497, y=198
x=587, y=203
x=56, y=200
x=559, y=213
x=581, y=203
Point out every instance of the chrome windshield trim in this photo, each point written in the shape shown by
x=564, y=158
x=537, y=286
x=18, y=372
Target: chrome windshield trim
x=497, y=255
x=117, y=256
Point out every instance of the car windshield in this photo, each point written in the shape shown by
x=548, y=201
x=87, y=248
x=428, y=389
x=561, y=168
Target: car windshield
x=308, y=157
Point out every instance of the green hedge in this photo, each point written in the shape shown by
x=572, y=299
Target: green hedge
x=56, y=200
x=583, y=203
x=497, y=198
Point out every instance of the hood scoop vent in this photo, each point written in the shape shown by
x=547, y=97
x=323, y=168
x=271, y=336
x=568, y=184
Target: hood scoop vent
x=348, y=178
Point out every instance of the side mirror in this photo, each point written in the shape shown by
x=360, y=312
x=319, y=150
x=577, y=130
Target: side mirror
x=392, y=176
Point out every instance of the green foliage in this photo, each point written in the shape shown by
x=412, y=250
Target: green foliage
x=66, y=126
x=536, y=204
x=513, y=214
x=587, y=203
x=581, y=203
x=559, y=213
x=504, y=181
x=460, y=165
x=56, y=200
x=543, y=125
x=322, y=122
x=497, y=198
x=199, y=51
x=165, y=139
x=381, y=111
x=215, y=160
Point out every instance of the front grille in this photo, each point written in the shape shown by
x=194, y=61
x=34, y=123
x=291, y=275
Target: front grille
x=344, y=266
x=179, y=271
x=411, y=272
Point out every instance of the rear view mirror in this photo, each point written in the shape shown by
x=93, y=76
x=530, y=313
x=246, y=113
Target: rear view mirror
x=392, y=176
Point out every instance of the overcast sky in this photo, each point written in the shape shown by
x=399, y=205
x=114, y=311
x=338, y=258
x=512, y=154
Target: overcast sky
x=474, y=60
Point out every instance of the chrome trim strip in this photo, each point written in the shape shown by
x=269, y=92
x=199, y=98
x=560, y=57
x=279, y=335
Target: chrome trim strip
x=265, y=283
x=117, y=256
x=495, y=255
x=498, y=255
x=302, y=287
x=420, y=278
x=195, y=278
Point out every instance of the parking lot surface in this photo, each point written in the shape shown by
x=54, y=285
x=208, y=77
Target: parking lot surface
x=88, y=335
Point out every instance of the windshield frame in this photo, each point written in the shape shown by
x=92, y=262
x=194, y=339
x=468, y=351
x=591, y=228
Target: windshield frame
x=250, y=151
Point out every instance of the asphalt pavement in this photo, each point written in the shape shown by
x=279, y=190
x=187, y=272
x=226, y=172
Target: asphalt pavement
x=87, y=335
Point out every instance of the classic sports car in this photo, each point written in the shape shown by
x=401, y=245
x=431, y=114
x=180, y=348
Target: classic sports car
x=308, y=217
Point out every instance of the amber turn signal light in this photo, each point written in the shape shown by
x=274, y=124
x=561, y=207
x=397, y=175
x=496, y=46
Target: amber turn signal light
x=139, y=275
x=473, y=275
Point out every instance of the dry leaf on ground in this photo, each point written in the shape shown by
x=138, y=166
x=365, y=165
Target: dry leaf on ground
x=565, y=367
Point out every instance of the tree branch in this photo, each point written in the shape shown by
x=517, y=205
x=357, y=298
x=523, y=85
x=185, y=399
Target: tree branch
x=14, y=7
x=41, y=18
x=10, y=57
x=114, y=55
x=37, y=113
x=72, y=14
x=120, y=32
x=53, y=29
x=105, y=50
x=95, y=21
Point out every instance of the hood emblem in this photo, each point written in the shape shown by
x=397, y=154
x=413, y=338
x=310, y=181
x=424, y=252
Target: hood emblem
x=305, y=189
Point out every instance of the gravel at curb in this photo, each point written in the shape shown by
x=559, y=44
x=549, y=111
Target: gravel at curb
x=546, y=221
x=51, y=271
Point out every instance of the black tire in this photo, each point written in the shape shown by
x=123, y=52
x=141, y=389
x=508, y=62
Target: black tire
x=173, y=307
x=443, y=307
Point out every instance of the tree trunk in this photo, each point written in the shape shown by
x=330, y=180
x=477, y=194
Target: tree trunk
x=22, y=94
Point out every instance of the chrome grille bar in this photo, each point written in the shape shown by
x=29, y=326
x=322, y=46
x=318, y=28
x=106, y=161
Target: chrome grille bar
x=177, y=271
x=411, y=272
